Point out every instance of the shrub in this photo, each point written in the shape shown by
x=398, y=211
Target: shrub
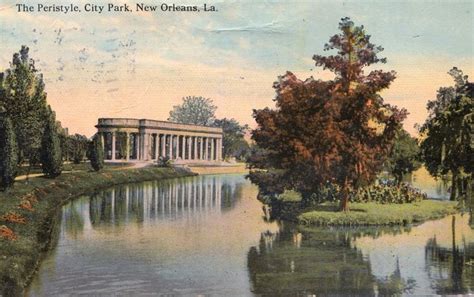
x=164, y=162
x=382, y=193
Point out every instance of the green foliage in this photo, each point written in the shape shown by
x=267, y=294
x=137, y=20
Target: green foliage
x=383, y=194
x=8, y=151
x=339, y=130
x=234, y=144
x=364, y=214
x=51, y=157
x=24, y=98
x=449, y=131
x=387, y=194
x=164, y=162
x=404, y=155
x=194, y=110
x=96, y=153
x=78, y=145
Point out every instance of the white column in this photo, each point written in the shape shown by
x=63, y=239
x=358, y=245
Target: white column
x=206, y=148
x=145, y=146
x=219, y=149
x=163, y=145
x=113, y=145
x=170, y=148
x=189, y=147
x=138, y=145
x=156, y=142
x=177, y=146
x=195, y=147
x=127, y=146
x=102, y=137
x=200, y=148
x=212, y=149
x=183, y=148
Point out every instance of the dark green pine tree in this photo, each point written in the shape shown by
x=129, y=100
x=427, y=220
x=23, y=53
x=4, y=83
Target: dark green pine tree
x=96, y=153
x=8, y=151
x=51, y=158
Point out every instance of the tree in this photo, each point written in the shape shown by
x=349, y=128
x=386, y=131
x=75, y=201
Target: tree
x=96, y=153
x=51, y=157
x=79, y=146
x=403, y=158
x=338, y=131
x=24, y=99
x=447, y=146
x=194, y=110
x=234, y=144
x=8, y=151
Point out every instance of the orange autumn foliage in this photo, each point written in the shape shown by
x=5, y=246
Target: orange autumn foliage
x=13, y=217
x=7, y=233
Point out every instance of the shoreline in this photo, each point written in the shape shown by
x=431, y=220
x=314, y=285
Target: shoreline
x=227, y=169
x=363, y=214
x=20, y=258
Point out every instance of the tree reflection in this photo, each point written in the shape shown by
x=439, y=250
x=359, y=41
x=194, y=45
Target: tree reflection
x=451, y=269
x=301, y=262
x=73, y=220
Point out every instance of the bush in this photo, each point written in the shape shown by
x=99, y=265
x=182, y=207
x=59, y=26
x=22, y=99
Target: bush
x=164, y=162
x=388, y=194
x=383, y=193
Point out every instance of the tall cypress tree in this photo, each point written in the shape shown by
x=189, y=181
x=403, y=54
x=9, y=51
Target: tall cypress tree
x=51, y=158
x=96, y=153
x=338, y=131
x=8, y=151
x=24, y=99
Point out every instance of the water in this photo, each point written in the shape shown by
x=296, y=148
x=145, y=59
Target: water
x=206, y=235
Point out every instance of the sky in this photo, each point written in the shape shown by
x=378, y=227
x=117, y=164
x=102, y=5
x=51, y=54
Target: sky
x=140, y=64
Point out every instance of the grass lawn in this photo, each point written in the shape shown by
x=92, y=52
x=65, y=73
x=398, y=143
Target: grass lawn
x=28, y=213
x=366, y=214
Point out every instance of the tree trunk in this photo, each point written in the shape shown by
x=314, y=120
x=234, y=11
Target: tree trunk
x=345, y=197
x=454, y=188
x=399, y=178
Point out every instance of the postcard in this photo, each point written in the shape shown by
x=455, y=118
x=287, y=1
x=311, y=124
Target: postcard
x=236, y=148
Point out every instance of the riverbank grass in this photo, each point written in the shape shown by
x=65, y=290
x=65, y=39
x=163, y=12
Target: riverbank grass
x=375, y=214
x=28, y=213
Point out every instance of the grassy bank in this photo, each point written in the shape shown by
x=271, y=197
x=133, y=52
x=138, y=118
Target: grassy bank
x=28, y=213
x=367, y=214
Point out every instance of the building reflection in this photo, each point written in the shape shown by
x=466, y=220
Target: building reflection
x=318, y=261
x=150, y=201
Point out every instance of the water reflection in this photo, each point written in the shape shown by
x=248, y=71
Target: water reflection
x=149, y=202
x=207, y=235
x=370, y=261
x=434, y=188
x=451, y=268
x=184, y=236
x=295, y=262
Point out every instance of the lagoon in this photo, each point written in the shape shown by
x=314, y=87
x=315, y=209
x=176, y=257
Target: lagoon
x=206, y=235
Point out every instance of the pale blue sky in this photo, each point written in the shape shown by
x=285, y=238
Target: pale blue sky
x=140, y=65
